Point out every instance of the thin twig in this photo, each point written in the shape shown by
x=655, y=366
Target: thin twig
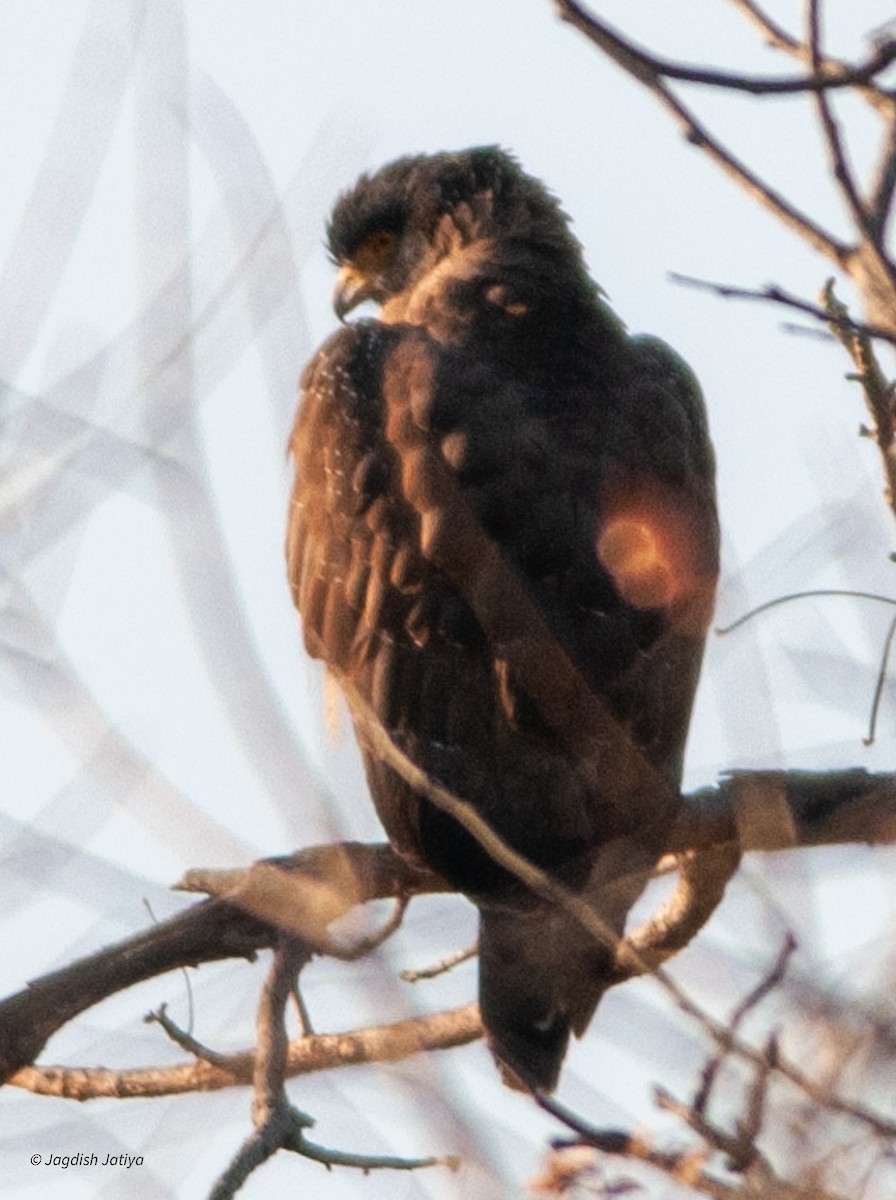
x=448, y=963
x=278, y=1124
x=185, y=974
x=776, y=295
x=365, y=945
x=807, y=331
x=185, y=1040
x=702, y=880
x=627, y=56
x=779, y=39
x=879, y=685
x=744, y=1157
x=836, y=150
x=365, y=1163
x=884, y=185
x=766, y=984
x=774, y=34
x=880, y=393
x=750, y=1127
x=637, y=60
x=821, y=1094
x=303, y=1016
x=541, y=884
x=680, y=1166
x=811, y=594
x=284, y=1129
x=271, y=1055
x=740, y=1156
x=611, y=1141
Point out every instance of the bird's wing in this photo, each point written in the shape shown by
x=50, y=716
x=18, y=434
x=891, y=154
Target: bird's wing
x=342, y=468
x=469, y=552
x=445, y=552
x=374, y=607
x=658, y=535
x=679, y=400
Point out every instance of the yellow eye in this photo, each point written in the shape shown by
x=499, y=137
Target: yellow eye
x=375, y=252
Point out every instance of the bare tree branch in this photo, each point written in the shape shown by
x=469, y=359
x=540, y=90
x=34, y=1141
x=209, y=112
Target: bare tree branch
x=777, y=810
x=181, y=1038
x=762, y=810
x=710, y=1072
x=625, y=55
x=738, y=1142
x=884, y=183
x=868, y=740
x=209, y=932
x=775, y=35
x=811, y=594
x=879, y=392
x=448, y=963
x=650, y=67
x=866, y=261
x=306, y=1055
x=775, y=295
x=701, y=885
x=830, y=68
x=683, y=1167
x=279, y=1125
x=836, y=151
x=702, y=879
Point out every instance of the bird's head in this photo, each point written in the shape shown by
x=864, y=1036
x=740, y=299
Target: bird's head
x=396, y=225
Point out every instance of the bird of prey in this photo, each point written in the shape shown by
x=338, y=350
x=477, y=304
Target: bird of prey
x=503, y=539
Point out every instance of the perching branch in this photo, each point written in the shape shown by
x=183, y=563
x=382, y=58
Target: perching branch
x=762, y=810
x=306, y=1055
x=751, y=810
x=217, y=929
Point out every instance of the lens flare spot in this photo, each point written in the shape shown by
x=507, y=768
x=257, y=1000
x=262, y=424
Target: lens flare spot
x=631, y=550
x=658, y=544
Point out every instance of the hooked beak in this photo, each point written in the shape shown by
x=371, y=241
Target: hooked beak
x=352, y=288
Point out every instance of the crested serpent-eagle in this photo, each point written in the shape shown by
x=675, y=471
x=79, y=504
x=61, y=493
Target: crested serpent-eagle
x=503, y=537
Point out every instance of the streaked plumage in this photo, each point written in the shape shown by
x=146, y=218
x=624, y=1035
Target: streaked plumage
x=503, y=534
